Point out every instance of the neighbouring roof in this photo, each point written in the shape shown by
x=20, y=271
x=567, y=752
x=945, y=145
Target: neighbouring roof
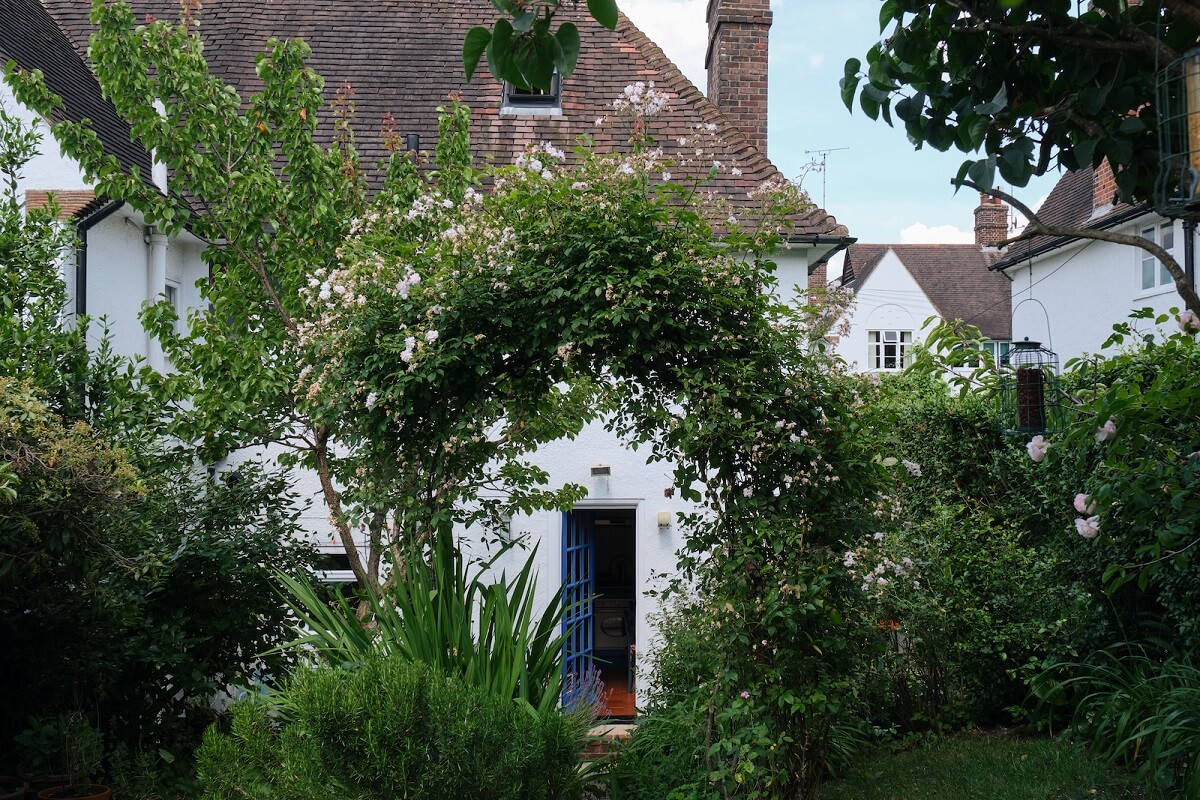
x=1069, y=204
x=403, y=58
x=70, y=201
x=29, y=37
x=955, y=277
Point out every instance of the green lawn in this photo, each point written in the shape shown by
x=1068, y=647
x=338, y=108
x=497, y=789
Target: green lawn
x=982, y=768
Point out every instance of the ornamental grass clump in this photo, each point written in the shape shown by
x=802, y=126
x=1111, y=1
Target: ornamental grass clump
x=388, y=728
x=444, y=615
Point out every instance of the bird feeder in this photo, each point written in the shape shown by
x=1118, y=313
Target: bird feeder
x=1030, y=396
x=1177, y=105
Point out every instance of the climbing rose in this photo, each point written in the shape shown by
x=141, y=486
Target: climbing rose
x=745, y=695
x=1037, y=448
x=1189, y=322
x=1088, y=528
x=1106, y=431
x=1084, y=504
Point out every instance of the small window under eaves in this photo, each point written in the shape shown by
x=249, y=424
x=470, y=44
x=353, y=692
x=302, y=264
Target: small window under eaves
x=533, y=101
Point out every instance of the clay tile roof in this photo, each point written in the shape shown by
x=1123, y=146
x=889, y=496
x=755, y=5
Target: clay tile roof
x=30, y=37
x=70, y=201
x=1069, y=204
x=402, y=58
x=955, y=277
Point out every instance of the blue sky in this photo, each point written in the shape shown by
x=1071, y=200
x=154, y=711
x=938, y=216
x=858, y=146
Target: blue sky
x=880, y=188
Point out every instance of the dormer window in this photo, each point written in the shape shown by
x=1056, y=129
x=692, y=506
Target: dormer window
x=533, y=100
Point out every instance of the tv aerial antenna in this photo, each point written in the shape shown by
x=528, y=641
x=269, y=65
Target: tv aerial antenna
x=821, y=165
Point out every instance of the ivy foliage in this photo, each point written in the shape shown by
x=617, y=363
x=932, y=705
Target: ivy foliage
x=1033, y=85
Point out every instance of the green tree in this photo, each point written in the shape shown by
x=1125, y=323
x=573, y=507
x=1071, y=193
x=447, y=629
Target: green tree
x=1033, y=84
x=412, y=346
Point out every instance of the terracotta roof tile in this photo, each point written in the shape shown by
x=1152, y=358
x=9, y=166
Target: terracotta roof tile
x=403, y=58
x=30, y=37
x=70, y=201
x=955, y=277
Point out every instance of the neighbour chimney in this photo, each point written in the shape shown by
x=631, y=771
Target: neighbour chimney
x=991, y=221
x=737, y=64
x=819, y=278
x=1104, y=188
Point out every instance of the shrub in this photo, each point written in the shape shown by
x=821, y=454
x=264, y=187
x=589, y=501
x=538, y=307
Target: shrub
x=388, y=728
x=970, y=582
x=1139, y=705
x=131, y=599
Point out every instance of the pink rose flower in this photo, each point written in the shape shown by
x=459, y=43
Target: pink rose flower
x=1088, y=528
x=1037, y=448
x=1189, y=322
x=1106, y=431
x=1084, y=504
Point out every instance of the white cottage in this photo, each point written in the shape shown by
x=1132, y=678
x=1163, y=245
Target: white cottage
x=902, y=290
x=1067, y=293
x=401, y=66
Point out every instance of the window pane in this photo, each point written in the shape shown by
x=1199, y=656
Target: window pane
x=1164, y=277
x=1168, y=237
x=889, y=356
x=889, y=336
x=1148, y=273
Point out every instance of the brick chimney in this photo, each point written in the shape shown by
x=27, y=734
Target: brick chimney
x=991, y=221
x=737, y=64
x=1104, y=188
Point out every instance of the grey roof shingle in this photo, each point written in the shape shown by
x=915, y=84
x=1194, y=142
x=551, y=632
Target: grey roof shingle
x=403, y=58
x=29, y=37
x=955, y=277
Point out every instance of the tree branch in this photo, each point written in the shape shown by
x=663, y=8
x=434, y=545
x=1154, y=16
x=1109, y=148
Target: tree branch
x=334, y=501
x=1038, y=228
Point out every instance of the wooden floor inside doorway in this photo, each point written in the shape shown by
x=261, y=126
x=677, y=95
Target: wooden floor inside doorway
x=618, y=699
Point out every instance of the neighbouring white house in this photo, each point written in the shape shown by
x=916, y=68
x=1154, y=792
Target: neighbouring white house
x=1067, y=293
x=902, y=290
x=120, y=262
x=401, y=65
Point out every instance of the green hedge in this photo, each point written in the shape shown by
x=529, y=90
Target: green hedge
x=386, y=729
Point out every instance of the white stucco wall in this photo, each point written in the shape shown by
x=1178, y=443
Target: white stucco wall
x=49, y=169
x=889, y=299
x=118, y=255
x=1070, y=299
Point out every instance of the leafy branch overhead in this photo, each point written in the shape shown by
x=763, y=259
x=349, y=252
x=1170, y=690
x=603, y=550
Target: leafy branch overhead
x=1030, y=84
x=524, y=49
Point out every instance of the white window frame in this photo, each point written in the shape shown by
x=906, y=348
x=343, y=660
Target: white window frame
x=1152, y=276
x=171, y=293
x=878, y=344
x=521, y=102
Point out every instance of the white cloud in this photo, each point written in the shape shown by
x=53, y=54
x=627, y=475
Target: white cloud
x=816, y=60
x=679, y=28
x=920, y=233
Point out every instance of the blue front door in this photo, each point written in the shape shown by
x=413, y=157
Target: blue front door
x=579, y=587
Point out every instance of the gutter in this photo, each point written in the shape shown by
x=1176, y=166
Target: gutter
x=839, y=243
x=1061, y=241
x=82, y=226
